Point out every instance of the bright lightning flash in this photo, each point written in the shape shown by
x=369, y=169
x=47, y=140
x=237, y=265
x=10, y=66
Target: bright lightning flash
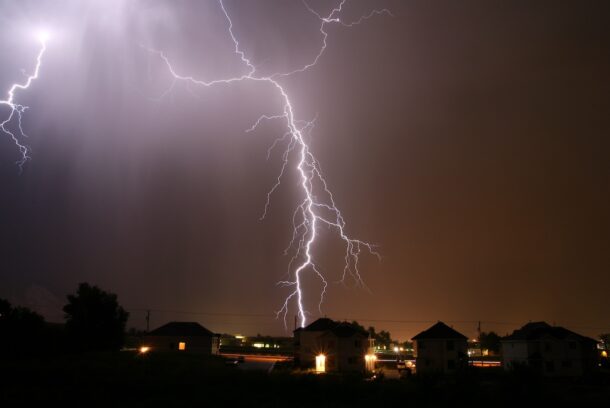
x=43, y=36
x=316, y=209
x=12, y=125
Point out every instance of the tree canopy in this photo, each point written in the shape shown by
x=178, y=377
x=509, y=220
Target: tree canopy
x=490, y=341
x=20, y=328
x=94, y=319
x=382, y=338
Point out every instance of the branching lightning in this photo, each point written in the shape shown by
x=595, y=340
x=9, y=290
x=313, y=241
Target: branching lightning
x=17, y=110
x=314, y=210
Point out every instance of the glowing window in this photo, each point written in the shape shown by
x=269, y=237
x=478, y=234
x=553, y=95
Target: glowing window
x=182, y=346
x=369, y=361
x=320, y=363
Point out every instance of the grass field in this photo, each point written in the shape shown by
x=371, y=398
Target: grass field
x=127, y=379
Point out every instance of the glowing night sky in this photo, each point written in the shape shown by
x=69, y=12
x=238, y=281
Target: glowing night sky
x=469, y=140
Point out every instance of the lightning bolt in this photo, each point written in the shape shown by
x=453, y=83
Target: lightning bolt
x=17, y=110
x=314, y=210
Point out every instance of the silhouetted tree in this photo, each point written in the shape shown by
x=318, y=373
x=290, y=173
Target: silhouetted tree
x=5, y=309
x=20, y=329
x=94, y=319
x=383, y=338
x=358, y=325
x=490, y=341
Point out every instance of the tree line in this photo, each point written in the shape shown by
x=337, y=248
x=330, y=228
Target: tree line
x=94, y=321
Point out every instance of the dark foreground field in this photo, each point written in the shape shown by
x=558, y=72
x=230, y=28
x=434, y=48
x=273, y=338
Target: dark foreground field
x=126, y=379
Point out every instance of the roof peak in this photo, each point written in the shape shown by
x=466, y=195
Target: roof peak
x=536, y=330
x=176, y=328
x=439, y=331
x=338, y=328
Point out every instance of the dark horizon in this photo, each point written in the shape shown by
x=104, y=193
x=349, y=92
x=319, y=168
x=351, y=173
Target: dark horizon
x=469, y=141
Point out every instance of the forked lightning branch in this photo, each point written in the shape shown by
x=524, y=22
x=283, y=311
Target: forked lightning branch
x=317, y=207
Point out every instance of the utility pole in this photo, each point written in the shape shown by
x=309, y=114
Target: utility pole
x=147, y=320
x=479, y=338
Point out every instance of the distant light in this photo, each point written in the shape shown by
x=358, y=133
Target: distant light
x=239, y=336
x=144, y=349
x=402, y=349
x=604, y=353
x=258, y=345
x=396, y=349
x=182, y=346
x=320, y=363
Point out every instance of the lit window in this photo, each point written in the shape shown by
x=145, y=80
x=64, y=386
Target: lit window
x=320, y=363
x=182, y=346
x=369, y=361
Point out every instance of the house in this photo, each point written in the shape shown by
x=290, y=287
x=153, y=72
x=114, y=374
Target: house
x=440, y=349
x=550, y=350
x=327, y=345
x=182, y=336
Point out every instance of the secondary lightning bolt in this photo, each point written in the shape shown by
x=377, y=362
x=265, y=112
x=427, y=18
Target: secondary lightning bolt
x=315, y=209
x=16, y=109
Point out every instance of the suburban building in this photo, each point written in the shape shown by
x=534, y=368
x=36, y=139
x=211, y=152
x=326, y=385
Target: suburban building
x=182, y=336
x=550, y=350
x=440, y=349
x=327, y=345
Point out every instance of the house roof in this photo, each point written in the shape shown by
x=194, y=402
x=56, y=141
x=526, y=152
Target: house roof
x=440, y=331
x=181, y=329
x=348, y=330
x=339, y=329
x=538, y=330
x=321, y=324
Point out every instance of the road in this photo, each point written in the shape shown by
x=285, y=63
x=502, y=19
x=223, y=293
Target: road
x=256, y=361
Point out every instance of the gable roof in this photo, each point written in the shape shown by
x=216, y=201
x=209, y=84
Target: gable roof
x=348, y=330
x=321, y=324
x=181, y=329
x=440, y=331
x=538, y=330
x=339, y=329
